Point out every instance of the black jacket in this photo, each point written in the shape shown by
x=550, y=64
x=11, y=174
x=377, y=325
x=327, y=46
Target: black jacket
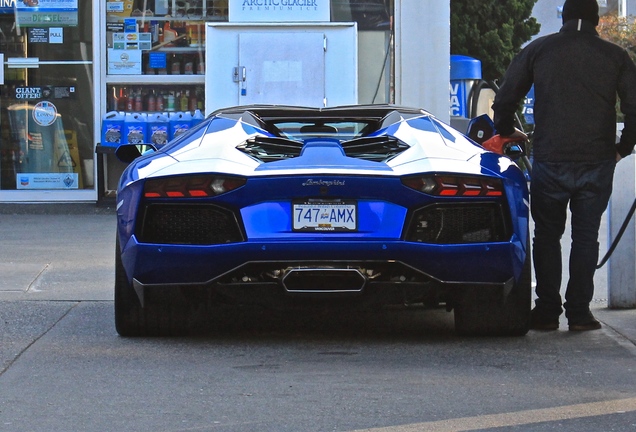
x=577, y=76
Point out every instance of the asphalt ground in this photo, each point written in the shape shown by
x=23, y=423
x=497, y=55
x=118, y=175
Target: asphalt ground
x=66, y=252
x=63, y=368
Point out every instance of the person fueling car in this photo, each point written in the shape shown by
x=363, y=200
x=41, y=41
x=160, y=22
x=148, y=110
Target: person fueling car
x=577, y=77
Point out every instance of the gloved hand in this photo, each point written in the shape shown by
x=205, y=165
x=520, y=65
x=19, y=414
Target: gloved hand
x=517, y=135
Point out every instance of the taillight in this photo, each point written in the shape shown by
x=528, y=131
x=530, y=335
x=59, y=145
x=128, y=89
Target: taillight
x=191, y=186
x=451, y=185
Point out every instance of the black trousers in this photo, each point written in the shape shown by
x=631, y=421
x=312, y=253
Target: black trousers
x=586, y=187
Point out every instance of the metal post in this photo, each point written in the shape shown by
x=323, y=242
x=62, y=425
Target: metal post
x=621, y=277
x=422, y=70
x=622, y=8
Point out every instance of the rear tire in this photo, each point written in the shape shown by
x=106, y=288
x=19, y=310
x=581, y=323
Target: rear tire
x=166, y=317
x=128, y=310
x=483, y=312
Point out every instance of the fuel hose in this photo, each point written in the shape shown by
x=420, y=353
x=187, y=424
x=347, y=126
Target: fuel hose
x=618, y=236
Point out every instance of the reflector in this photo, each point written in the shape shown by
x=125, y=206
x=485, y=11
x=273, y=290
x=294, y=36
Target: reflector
x=448, y=185
x=191, y=186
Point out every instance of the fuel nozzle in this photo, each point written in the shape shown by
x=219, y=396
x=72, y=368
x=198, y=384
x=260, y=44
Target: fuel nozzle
x=512, y=146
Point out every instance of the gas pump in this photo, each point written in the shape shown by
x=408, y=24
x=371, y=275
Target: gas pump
x=470, y=95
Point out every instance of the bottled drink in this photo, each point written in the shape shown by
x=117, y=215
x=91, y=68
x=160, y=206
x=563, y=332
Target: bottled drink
x=183, y=100
x=170, y=102
x=139, y=105
x=192, y=102
x=201, y=66
x=160, y=102
x=175, y=65
x=130, y=102
x=188, y=66
x=122, y=101
x=152, y=101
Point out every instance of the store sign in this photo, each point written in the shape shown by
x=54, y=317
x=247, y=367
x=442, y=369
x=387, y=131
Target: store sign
x=279, y=11
x=56, y=35
x=25, y=93
x=42, y=13
x=124, y=61
x=44, y=113
x=53, y=35
x=44, y=92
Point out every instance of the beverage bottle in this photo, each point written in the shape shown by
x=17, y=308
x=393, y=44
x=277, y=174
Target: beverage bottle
x=130, y=102
x=152, y=101
x=200, y=97
x=160, y=102
x=188, y=66
x=175, y=65
x=184, y=100
x=139, y=105
x=192, y=102
x=201, y=65
x=122, y=101
x=170, y=102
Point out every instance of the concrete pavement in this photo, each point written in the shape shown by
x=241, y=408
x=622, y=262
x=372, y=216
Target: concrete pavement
x=65, y=252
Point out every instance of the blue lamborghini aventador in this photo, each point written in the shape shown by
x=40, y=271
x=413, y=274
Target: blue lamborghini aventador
x=354, y=206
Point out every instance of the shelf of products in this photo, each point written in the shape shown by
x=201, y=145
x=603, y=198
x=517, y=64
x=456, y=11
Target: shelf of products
x=155, y=67
x=162, y=37
x=155, y=98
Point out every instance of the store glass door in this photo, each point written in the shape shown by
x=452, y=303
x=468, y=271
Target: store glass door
x=46, y=99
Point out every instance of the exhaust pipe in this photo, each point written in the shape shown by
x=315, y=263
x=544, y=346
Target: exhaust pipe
x=323, y=280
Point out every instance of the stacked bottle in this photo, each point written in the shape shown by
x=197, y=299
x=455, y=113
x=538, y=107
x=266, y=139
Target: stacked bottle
x=154, y=100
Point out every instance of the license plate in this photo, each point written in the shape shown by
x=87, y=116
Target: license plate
x=325, y=216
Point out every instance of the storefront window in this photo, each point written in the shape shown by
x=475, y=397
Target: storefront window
x=46, y=104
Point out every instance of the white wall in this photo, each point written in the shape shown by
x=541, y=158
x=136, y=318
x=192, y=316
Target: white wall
x=422, y=55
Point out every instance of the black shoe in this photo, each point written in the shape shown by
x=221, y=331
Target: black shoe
x=585, y=322
x=539, y=321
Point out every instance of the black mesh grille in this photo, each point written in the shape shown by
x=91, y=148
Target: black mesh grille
x=377, y=149
x=455, y=224
x=188, y=224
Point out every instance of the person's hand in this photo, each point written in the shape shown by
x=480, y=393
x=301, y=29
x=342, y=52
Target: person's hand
x=518, y=135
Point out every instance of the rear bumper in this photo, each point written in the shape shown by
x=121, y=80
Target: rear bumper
x=364, y=262
x=276, y=295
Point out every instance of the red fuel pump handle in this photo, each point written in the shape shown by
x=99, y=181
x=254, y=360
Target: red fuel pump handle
x=502, y=144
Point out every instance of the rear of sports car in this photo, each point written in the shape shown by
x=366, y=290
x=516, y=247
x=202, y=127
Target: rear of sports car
x=354, y=207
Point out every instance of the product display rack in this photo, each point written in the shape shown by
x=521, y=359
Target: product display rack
x=155, y=65
x=166, y=38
